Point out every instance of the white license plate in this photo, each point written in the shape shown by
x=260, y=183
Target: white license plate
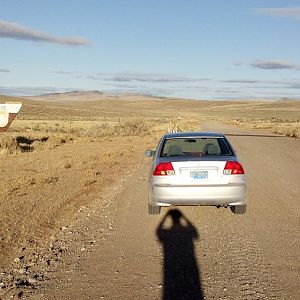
x=199, y=174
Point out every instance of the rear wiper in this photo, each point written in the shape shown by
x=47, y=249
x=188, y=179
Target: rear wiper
x=190, y=140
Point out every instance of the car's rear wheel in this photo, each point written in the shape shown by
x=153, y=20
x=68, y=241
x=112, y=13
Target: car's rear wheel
x=238, y=209
x=153, y=209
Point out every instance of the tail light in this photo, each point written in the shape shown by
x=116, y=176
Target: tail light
x=164, y=168
x=232, y=168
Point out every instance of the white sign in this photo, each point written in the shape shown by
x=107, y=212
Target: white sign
x=13, y=108
x=4, y=117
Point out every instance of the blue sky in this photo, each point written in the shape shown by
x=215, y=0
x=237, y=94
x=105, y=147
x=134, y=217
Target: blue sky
x=192, y=49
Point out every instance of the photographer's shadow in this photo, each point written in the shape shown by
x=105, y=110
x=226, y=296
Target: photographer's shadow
x=181, y=275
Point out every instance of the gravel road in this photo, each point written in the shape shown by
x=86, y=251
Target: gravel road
x=123, y=253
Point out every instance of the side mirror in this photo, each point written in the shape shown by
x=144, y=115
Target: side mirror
x=149, y=153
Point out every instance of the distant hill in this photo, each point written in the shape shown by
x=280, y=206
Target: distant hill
x=74, y=96
x=95, y=95
x=87, y=96
x=4, y=98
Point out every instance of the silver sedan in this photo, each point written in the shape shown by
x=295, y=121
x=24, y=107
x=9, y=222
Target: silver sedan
x=196, y=168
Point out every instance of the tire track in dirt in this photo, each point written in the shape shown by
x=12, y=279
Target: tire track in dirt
x=232, y=265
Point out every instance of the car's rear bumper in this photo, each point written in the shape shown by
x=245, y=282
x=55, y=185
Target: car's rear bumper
x=212, y=195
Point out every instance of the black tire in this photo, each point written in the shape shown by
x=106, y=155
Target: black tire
x=238, y=209
x=153, y=209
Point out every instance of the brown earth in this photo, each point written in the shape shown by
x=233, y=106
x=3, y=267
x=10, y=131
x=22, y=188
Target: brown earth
x=252, y=256
x=74, y=222
x=41, y=191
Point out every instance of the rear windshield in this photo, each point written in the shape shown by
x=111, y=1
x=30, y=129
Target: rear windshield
x=196, y=147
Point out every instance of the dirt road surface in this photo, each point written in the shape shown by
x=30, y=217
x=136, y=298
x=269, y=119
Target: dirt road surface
x=120, y=252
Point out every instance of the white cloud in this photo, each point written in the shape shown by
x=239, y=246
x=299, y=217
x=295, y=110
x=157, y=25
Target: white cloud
x=20, y=32
x=287, y=12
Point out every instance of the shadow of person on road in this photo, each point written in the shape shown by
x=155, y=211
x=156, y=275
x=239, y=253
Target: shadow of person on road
x=181, y=275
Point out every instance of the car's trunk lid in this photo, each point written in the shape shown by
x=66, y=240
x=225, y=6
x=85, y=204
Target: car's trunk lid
x=200, y=172
x=208, y=171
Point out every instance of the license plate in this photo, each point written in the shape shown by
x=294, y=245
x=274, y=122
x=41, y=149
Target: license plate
x=199, y=174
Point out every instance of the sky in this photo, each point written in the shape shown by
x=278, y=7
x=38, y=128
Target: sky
x=218, y=49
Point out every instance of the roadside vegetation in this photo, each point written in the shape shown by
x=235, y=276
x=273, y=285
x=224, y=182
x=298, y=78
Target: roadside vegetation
x=286, y=127
x=27, y=134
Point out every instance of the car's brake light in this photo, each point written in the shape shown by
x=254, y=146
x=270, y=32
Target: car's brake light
x=164, y=168
x=233, y=167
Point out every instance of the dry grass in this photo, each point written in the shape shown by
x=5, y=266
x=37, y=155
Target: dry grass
x=40, y=138
x=11, y=143
x=129, y=127
x=8, y=145
x=125, y=126
x=47, y=125
x=290, y=128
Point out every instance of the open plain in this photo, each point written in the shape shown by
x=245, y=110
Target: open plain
x=73, y=202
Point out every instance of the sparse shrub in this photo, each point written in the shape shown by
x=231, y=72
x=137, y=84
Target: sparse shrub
x=279, y=130
x=97, y=131
x=51, y=180
x=291, y=131
x=53, y=141
x=131, y=128
x=28, y=182
x=8, y=145
x=13, y=144
x=37, y=145
x=135, y=127
x=88, y=182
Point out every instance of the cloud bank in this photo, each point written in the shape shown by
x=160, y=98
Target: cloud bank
x=143, y=77
x=255, y=83
x=20, y=32
x=287, y=12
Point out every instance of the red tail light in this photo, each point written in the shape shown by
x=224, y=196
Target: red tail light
x=233, y=167
x=163, y=169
